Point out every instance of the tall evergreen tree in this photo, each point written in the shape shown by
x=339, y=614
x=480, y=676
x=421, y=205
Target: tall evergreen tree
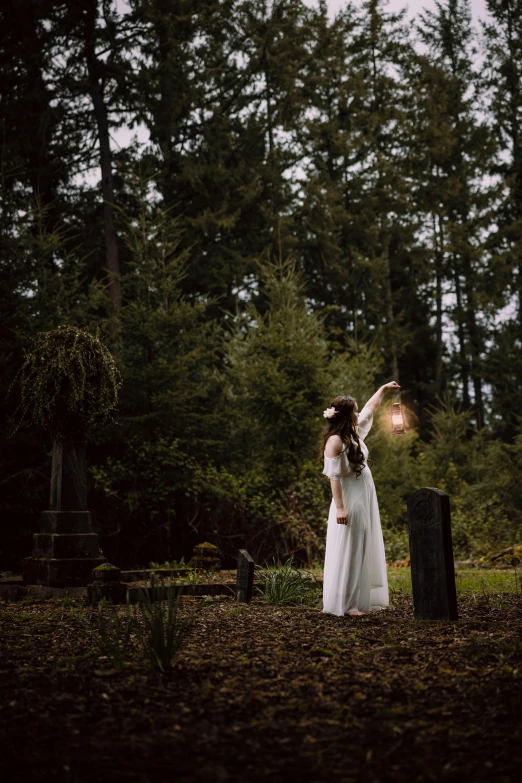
x=459, y=170
x=97, y=73
x=170, y=415
x=503, y=36
x=217, y=85
x=503, y=78
x=32, y=161
x=90, y=43
x=359, y=226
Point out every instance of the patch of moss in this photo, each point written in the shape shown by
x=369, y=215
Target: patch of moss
x=504, y=556
x=106, y=567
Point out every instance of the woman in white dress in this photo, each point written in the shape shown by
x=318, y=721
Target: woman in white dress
x=355, y=580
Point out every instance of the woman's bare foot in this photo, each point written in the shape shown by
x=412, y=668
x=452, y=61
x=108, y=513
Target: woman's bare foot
x=356, y=613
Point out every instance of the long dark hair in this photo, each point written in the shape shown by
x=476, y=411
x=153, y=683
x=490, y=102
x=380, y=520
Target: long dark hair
x=342, y=424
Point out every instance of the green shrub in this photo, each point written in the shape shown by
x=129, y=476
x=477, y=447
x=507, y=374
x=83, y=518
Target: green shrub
x=69, y=382
x=396, y=542
x=478, y=473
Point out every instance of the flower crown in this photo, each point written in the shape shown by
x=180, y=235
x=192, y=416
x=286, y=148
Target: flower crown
x=329, y=413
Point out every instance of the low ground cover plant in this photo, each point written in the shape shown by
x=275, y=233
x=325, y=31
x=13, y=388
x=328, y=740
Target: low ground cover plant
x=286, y=584
x=115, y=628
x=161, y=630
x=153, y=623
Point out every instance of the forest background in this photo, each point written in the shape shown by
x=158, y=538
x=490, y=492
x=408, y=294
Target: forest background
x=325, y=204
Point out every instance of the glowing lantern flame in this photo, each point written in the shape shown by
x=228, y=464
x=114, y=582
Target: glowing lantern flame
x=398, y=425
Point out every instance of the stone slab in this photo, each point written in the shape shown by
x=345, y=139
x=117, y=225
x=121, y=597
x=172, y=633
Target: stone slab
x=65, y=545
x=138, y=575
x=183, y=589
x=205, y=563
x=115, y=592
x=245, y=576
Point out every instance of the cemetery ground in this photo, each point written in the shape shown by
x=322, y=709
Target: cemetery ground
x=262, y=692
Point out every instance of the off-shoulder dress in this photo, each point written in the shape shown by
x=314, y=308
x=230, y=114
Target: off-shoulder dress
x=355, y=564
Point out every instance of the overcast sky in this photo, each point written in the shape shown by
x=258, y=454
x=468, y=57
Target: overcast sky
x=414, y=6
x=123, y=136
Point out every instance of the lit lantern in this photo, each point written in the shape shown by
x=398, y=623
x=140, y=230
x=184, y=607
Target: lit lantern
x=398, y=425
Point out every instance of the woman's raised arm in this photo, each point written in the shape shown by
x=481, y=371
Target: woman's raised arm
x=374, y=402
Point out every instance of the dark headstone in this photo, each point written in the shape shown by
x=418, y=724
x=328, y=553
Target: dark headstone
x=431, y=551
x=245, y=576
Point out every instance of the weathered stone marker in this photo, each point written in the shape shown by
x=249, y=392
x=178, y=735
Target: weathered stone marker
x=206, y=557
x=245, y=576
x=66, y=550
x=107, y=584
x=431, y=551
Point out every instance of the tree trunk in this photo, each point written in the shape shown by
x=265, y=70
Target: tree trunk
x=102, y=123
x=511, y=73
x=388, y=296
x=438, y=241
x=474, y=344
x=390, y=317
x=462, y=339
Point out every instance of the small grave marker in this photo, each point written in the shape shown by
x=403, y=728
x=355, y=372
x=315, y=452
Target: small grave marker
x=431, y=551
x=245, y=576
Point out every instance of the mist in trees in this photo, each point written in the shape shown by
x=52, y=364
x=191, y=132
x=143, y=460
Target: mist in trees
x=323, y=204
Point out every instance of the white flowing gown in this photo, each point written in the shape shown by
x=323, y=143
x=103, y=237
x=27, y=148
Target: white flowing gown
x=355, y=564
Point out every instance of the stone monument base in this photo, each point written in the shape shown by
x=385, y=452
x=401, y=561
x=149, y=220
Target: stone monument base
x=59, y=572
x=65, y=554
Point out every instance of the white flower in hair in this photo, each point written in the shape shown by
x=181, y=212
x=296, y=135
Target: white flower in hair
x=329, y=412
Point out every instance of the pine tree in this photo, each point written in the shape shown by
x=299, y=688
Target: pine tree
x=217, y=86
x=503, y=79
x=89, y=66
x=459, y=161
x=503, y=36
x=277, y=375
x=357, y=219
x=170, y=425
x=33, y=168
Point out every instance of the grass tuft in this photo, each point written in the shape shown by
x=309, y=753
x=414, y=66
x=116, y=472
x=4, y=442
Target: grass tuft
x=285, y=584
x=162, y=631
x=115, y=628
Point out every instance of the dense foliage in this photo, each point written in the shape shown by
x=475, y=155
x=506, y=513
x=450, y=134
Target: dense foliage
x=68, y=382
x=323, y=204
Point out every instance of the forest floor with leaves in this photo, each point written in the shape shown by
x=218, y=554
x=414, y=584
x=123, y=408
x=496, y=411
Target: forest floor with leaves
x=262, y=692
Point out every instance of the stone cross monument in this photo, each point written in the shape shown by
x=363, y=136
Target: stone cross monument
x=66, y=550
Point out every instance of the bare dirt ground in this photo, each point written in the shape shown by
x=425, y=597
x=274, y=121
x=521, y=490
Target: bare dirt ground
x=262, y=693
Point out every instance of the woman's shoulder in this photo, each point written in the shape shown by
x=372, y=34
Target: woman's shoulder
x=333, y=447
